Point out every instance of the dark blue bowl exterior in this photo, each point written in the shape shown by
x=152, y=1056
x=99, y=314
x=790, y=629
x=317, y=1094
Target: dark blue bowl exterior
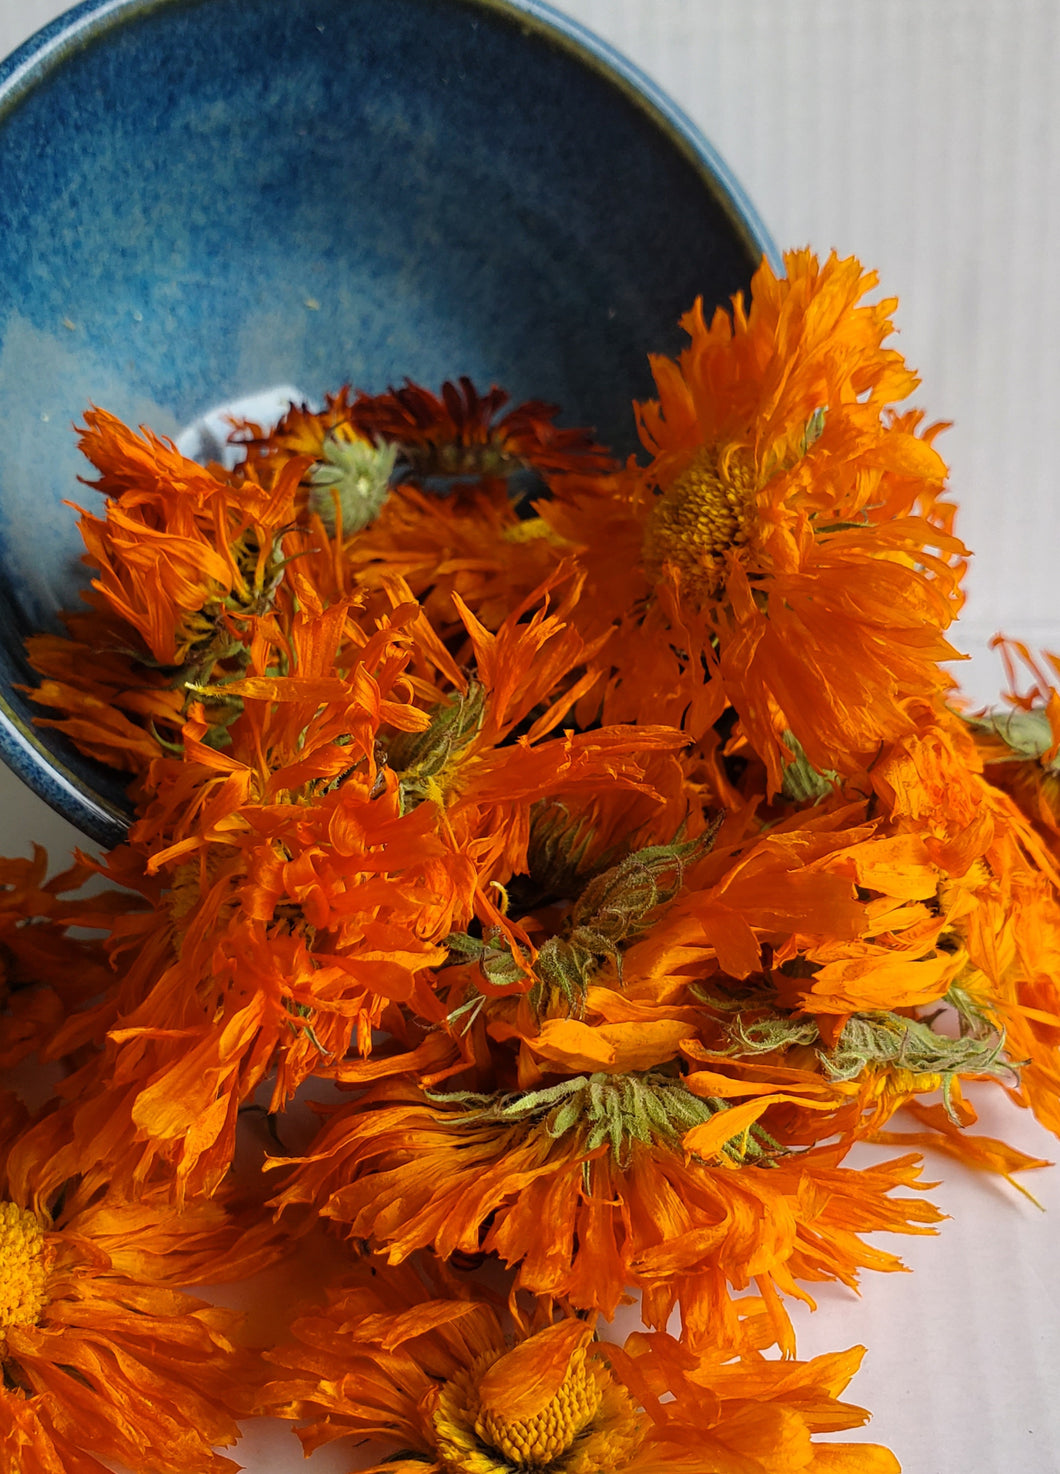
x=205, y=198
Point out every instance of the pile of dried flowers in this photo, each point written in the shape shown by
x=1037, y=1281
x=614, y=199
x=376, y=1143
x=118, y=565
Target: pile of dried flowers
x=612, y=855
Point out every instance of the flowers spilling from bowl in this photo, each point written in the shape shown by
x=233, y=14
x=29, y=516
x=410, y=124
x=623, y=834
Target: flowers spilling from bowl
x=607, y=849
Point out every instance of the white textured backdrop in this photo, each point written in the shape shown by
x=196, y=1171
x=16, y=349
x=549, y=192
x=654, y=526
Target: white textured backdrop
x=923, y=137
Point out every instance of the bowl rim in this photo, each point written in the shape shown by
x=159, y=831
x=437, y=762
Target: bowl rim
x=59, y=38
x=21, y=747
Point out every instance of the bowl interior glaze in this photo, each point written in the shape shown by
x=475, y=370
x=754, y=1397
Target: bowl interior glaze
x=203, y=199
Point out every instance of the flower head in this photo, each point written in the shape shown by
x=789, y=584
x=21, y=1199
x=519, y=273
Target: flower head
x=440, y=1381
x=589, y=1188
x=103, y=1358
x=461, y=432
x=792, y=558
x=181, y=550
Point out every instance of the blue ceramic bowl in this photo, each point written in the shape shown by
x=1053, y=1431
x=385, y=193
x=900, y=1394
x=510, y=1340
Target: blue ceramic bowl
x=203, y=199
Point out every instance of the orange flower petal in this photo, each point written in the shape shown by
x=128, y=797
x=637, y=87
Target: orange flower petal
x=520, y=1384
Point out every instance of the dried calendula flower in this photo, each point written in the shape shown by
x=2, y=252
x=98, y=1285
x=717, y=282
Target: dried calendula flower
x=350, y=482
x=435, y=1376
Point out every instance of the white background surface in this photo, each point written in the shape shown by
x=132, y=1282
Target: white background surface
x=923, y=137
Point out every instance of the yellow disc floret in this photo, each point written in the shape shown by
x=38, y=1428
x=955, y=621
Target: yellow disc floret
x=23, y=1268
x=589, y=1424
x=708, y=510
x=541, y=1439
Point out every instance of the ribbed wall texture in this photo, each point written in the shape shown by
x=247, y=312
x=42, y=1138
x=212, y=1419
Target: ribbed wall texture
x=922, y=136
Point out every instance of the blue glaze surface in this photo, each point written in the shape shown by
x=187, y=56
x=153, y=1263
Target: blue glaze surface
x=201, y=199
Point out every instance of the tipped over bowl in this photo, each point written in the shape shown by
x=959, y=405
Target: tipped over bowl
x=220, y=202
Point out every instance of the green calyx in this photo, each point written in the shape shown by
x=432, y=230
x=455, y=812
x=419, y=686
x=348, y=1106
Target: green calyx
x=495, y=959
x=421, y=757
x=613, y=908
x=304, y=1014
x=556, y=854
x=813, y=431
x=611, y=911
x=217, y=653
x=650, y=1109
x=911, y=1044
x=1027, y=734
x=351, y=482
x=883, y=1040
x=459, y=459
x=802, y=783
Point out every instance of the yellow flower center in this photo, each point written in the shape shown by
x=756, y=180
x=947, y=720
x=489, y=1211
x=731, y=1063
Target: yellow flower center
x=542, y=1438
x=707, y=511
x=590, y=1424
x=190, y=882
x=184, y=893
x=23, y=1268
x=901, y=1082
x=533, y=529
